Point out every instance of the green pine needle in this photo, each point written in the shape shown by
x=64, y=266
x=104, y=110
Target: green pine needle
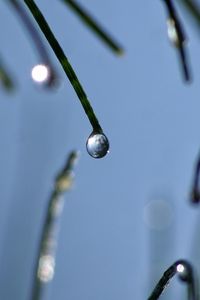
x=94, y=26
x=64, y=63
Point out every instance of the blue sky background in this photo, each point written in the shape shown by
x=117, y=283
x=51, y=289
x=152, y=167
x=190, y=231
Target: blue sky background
x=128, y=216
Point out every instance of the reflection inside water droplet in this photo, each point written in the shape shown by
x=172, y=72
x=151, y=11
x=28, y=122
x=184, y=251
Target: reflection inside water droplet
x=184, y=270
x=97, y=145
x=180, y=268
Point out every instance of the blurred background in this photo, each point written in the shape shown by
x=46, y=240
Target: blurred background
x=128, y=216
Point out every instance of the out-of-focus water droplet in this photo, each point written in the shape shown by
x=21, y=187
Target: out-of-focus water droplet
x=40, y=73
x=172, y=32
x=97, y=145
x=46, y=268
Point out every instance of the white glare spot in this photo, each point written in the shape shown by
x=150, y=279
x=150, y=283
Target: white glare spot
x=46, y=268
x=180, y=268
x=40, y=73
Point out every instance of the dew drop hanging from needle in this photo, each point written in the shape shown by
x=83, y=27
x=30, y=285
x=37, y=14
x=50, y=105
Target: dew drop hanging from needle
x=185, y=273
x=97, y=145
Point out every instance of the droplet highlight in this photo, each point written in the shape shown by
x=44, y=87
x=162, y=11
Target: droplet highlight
x=180, y=268
x=40, y=73
x=97, y=145
x=185, y=271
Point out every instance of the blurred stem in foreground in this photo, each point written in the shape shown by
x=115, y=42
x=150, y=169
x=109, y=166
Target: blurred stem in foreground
x=177, y=37
x=94, y=26
x=45, y=264
x=193, y=8
x=64, y=63
x=185, y=273
x=40, y=47
x=5, y=79
x=195, y=191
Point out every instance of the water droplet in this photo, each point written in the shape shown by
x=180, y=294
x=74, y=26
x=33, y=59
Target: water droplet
x=97, y=145
x=180, y=268
x=184, y=270
x=46, y=268
x=172, y=32
x=40, y=73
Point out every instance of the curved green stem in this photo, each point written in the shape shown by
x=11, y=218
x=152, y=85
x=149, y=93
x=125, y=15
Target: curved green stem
x=64, y=63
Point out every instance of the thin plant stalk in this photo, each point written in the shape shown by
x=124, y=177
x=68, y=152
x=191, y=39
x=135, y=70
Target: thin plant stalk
x=5, y=78
x=195, y=192
x=93, y=25
x=184, y=63
x=64, y=63
x=40, y=47
x=177, y=37
x=186, y=274
x=45, y=264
